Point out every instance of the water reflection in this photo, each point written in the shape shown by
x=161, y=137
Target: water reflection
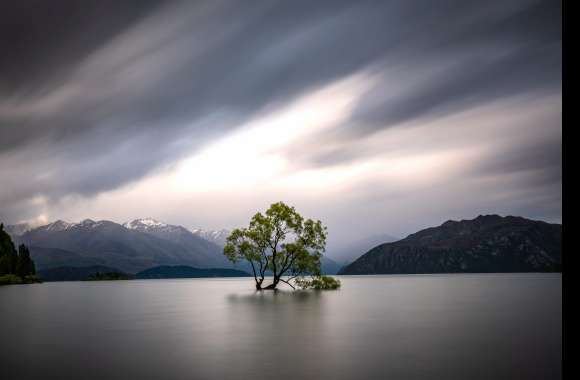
x=276, y=297
x=273, y=332
x=375, y=327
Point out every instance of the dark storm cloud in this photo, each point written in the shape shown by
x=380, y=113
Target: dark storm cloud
x=42, y=40
x=545, y=155
x=470, y=61
x=465, y=84
x=96, y=94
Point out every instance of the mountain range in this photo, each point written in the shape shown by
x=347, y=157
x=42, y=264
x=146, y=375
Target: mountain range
x=215, y=236
x=130, y=247
x=488, y=243
x=133, y=247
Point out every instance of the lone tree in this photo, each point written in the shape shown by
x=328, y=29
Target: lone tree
x=281, y=243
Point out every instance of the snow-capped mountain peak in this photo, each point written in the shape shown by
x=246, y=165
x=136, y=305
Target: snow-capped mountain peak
x=144, y=224
x=215, y=236
x=59, y=225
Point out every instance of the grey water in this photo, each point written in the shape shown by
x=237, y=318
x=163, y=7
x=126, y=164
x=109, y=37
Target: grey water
x=492, y=326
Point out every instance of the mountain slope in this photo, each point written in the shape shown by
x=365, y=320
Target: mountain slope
x=207, y=251
x=17, y=229
x=489, y=243
x=72, y=273
x=110, y=244
x=183, y=271
x=215, y=236
x=46, y=258
x=329, y=266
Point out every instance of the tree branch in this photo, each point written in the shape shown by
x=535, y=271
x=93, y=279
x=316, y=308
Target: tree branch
x=254, y=270
x=289, y=264
x=288, y=283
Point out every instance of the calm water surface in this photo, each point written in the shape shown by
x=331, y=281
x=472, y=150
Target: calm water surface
x=375, y=327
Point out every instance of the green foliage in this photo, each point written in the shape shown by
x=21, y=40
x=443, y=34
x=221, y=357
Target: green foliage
x=5, y=264
x=281, y=242
x=9, y=279
x=12, y=263
x=8, y=255
x=325, y=283
x=24, y=264
x=318, y=283
x=31, y=279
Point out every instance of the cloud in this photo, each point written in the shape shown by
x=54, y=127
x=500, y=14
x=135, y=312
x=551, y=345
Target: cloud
x=366, y=101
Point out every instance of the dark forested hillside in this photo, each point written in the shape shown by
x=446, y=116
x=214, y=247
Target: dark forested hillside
x=489, y=243
x=16, y=266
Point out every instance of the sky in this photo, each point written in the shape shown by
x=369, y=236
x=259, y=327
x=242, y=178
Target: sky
x=376, y=117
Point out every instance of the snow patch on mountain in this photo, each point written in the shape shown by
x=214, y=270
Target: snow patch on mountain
x=59, y=225
x=215, y=236
x=145, y=224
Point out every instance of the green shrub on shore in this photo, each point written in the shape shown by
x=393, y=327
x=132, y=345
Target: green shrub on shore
x=32, y=279
x=10, y=279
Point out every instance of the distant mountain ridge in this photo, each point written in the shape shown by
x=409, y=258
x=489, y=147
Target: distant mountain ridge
x=210, y=251
x=17, y=229
x=132, y=246
x=488, y=243
x=111, y=244
x=184, y=271
x=215, y=236
x=71, y=273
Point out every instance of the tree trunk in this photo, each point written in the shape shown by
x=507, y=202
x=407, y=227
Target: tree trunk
x=273, y=285
x=259, y=284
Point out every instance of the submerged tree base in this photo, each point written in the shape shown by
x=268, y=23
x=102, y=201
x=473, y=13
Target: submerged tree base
x=314, y=282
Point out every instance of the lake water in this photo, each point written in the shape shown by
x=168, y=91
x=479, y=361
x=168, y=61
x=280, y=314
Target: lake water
x=376, y=327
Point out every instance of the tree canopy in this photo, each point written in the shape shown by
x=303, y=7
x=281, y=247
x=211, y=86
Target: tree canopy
x=279, y=242
x=15, y=264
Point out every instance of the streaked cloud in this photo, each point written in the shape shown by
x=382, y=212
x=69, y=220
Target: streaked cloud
x=377, y=117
